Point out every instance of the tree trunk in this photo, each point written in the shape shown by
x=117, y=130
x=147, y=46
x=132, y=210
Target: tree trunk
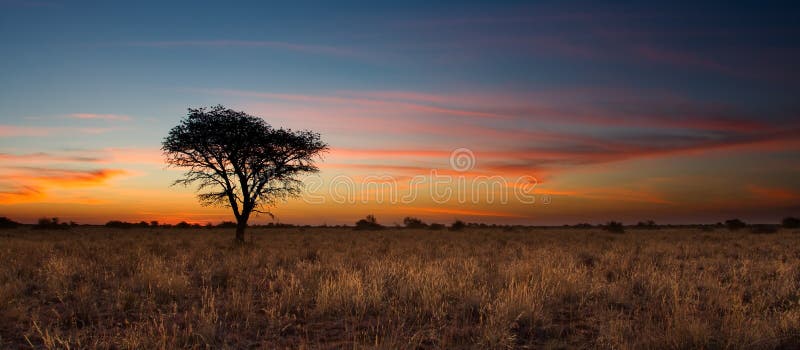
x=241, y=224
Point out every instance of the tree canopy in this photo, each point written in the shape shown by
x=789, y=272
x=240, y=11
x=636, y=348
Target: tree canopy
x=239, y=161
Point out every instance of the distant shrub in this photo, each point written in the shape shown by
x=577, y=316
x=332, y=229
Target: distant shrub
x=410, y=222
x=614, y=226
x=227, y=224
x=763, y=229
x=368, y=223
x=649, y=224
x=183, y=224
x=735, y=224
x=8, y=223
x=790, y=222
x=436, y=227
x=50, y=224
x=457, y=225
x=153, y=223
x=583, y=225
x=119, y=224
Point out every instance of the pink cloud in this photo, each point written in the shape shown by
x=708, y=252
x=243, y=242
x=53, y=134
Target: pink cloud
x=387, y=105
x=22, y=131
x=16, y=131
x=597, y=107
x=678, y=58
x=100, y=116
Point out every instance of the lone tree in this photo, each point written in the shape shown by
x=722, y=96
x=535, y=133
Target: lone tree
x=240, y=161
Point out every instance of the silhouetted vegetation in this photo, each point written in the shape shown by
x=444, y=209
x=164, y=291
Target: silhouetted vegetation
x=51, y=224
x=436, y=227
x=128, y=225
x=410, y=222
x=8, y=223
x=583, y=225
x=649, y=224
x=457, y=225
x=735, y=224
x=790, y=222
x=226, y=224
x=119, y=224
x=368, y=223
x=614, y=227
x=240, y=161
x=185, y=225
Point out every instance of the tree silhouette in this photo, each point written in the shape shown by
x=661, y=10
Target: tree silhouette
x=239, y=161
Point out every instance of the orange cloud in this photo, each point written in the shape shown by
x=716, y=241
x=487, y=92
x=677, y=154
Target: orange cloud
x=21, y=194
x=464, y=212
x=31, y=184
x=773, y=194
x=70, y=178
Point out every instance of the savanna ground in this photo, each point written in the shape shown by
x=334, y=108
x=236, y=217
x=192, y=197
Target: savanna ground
x=93, y=287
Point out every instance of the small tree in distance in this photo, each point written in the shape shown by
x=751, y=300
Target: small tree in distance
x=8, y=223
x=614, y=227
x=368, y=223
x=457, y=225
x=735, y=224
x=411, y=222
x=239, y=161
x=791, y=222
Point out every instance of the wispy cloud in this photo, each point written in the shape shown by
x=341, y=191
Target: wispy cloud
x=32, y=184
x=88, y=156
x=306, y=48
x=773, y=194
x=93, y=116
x=364, y=102
x=16, y=131
x=32, y=131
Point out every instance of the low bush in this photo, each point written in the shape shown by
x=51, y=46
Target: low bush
x=457, y=225
x=614, y=227
x=226, y=224
x=368, y=223
x=119, y=224
x=649, y=224
x=51, y=224
x=735, y=224
x=8, y=223
x=790, y=222
x=436, y=227
x=410, y=222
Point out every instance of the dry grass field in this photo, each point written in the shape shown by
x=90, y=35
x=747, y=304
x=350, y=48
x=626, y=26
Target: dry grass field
x=93, y=287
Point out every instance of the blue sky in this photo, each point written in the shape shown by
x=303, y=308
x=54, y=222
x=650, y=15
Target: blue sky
x=560, y=90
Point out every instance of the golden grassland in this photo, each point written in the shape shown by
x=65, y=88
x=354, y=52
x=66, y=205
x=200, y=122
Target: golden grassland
x=93, y=287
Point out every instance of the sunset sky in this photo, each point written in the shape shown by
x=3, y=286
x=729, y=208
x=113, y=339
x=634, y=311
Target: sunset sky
x=675, y=113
